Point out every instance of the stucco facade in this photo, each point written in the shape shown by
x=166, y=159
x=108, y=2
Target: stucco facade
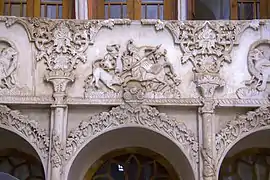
x=193, y=91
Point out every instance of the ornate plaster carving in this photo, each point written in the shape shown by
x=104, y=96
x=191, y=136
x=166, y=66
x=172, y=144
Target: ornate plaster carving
x=29, y=129
x=240, y=127
x=258, y=61
x=209, y=165
x=146, y=67
x=8, y=64
x=56, y=151
x=207, y=45
x=61, y=44
x=140, y=115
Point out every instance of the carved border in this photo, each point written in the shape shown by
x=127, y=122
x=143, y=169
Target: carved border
x=142, y=116
x=175, y=26
x=154, y=102
x=28, y=129
x=239, y=128
x=31, y=23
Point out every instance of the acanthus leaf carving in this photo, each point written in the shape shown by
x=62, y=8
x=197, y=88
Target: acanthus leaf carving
x=241, y=126
x=141, y=115
x=145, y=67
x=258, y=62
x=29, y=129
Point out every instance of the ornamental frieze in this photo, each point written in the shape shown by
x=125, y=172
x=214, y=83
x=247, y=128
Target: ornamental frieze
x=61, y=44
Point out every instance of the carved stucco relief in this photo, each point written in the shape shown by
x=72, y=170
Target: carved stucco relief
x=258, y=61
x=133, y=113
x=30, y=130
x=8, y=66
x=146, y=67
x=239, y=128
x=207, y=45
x=61, y=44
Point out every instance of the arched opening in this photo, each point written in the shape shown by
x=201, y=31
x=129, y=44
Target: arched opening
x=131, y=163
x=249, y=159
x=123, y=138
x=18, y=158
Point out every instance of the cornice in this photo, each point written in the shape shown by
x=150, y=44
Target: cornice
x=192, y=102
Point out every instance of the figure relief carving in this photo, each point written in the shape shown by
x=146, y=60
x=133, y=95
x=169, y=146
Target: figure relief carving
x=258, y=62
x=145, y=67
x=29, y=129
x=140, y=115
x=240, y=127
x=8, y=65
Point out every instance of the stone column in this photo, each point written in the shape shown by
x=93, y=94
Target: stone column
x=58, y=131
x=207, y=84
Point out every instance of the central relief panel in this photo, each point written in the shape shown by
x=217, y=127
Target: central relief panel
x=146, y=68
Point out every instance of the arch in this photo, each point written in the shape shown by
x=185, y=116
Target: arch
x=140, y=117
x=19, y=164
x=255, y=159
x=239, y=128
x=15, y=122
x=140, y=155
x=127, y=137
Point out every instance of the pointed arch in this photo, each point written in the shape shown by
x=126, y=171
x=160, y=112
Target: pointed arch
x=14, y=121
x=239, y=128
x=142, y=116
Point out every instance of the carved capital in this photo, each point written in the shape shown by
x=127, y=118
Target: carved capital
x=208, y=83
x=209, y=106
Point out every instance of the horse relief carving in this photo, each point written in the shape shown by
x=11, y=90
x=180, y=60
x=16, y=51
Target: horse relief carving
x=144, y=67
x=259, y=68
x=8, y=65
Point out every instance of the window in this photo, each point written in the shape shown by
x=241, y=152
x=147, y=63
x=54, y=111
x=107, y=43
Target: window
x=133, y=9
x=249, y=9
x=131, y=164
x=55, y=9
x=248, y=164
x=229, y=9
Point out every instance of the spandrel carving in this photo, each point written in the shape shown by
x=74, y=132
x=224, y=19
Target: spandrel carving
x=258, y=62
x=145, y=67
x=140, y=115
